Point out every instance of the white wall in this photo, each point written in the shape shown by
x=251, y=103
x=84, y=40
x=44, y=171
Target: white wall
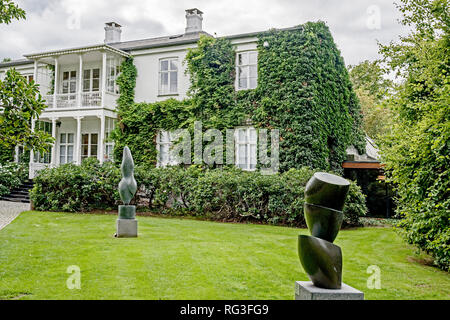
x=147, y=64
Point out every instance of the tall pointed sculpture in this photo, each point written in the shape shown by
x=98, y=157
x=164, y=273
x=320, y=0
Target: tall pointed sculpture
x=127, y=224
x=321, y=259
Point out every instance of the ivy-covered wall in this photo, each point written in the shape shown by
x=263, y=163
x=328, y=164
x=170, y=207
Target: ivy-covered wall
x=303, y=90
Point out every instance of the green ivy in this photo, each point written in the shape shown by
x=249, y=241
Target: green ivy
x=303, y=90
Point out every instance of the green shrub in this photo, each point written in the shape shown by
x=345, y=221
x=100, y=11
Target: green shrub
x=230, y=194
x=12, y=175
x=227, y=194
x=76, y=188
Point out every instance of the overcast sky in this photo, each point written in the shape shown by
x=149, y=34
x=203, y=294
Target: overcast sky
x=52, y=24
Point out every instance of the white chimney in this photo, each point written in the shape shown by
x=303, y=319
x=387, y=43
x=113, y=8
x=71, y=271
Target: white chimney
x=112, y=32
x=194, y=20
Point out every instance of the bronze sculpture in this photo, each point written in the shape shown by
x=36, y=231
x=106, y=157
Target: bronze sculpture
x=127, y=224
x=324, y=200
x=127, y=186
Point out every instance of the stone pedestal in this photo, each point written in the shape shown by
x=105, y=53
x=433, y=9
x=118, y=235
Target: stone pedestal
x=126, y=228
x=305, y=290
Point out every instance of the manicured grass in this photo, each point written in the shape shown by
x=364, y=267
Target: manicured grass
x=188, y=259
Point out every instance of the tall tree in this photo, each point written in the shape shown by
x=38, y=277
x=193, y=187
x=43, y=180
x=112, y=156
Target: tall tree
x=417, y=150
x=9, y=11
x=20, y=102
x=372, y=88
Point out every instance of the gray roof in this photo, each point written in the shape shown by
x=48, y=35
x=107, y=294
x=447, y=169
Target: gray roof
x=173, y=40
x=17, y=62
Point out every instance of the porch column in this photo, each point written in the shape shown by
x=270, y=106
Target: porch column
x=102, y=139
x=103, y=78
x=33, y=126
x=80, y=81
x=35, y=73
x=56, y=83
x=78, y=141
x=54, y=162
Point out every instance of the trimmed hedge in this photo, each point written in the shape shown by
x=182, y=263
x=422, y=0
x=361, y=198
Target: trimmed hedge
x=226, y=194
x=12, y=175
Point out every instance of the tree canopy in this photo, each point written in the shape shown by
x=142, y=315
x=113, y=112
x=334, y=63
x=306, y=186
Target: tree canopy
x=416, y=150
x=10, y=11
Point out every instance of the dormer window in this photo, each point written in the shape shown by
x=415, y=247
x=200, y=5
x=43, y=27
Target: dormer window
x=247, y=70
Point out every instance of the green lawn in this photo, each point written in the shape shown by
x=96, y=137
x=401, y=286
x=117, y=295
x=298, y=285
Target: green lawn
x=189, y=259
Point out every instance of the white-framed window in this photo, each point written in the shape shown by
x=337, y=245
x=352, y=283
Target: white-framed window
x=246, y=151
x=112, y=72
x=247, y=70
x=29, y=77
x=109, y=144
x=168, y=76
x=164, y=142
x=45, y=157
x=66, y=147
x=89, y=145
x=69, y=82
x=91, y=80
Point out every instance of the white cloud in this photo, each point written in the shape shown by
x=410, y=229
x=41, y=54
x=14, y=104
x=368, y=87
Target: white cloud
x=55, y=24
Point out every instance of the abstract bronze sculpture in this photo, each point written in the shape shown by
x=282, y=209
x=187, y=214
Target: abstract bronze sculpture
x=324, y=200
x=127, y=224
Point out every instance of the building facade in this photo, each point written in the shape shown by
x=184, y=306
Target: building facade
x=80, y=89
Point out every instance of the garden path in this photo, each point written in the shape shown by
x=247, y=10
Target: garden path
x=10, y=210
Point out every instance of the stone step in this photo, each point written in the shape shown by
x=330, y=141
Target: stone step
x=15, y=199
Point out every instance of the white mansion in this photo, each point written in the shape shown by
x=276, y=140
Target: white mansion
x=79, y=87
x=82, y=94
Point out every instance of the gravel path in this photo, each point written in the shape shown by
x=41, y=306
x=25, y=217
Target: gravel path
x=10, y=210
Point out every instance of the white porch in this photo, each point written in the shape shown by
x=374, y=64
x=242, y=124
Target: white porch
x=76, y=138
x=79, y=78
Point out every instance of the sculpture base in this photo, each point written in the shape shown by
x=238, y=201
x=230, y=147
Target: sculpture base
x=127, y=212
x=126, y=228
x=305, y=290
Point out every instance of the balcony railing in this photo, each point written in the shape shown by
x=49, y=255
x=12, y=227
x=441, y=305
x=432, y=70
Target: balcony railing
x=83, y=100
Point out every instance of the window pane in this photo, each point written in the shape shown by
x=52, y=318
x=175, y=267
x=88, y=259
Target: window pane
x=242, y=135
x=253, y=83
x=94, y=138
x=242, y=156
x=73, y=75
x=86, y=85
x=65, y=75
x=173, y=65
x=70, y=137
x=164, y=78
x=63, y=138
x=85, y=150
x=242, y=83
x=86, y=74
x=85, y=139
x=73, y=87
x=93, y=151
x=95, y=84
x=253, y=156
x=252, y=135
x=164, y=65
x=253, y=57
x=164, y=82
x=96, y=73
x=62, y=150
x=65, y=88
x=62, y=159
x=173, y=81
x=253, y=71
x=69, y=153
